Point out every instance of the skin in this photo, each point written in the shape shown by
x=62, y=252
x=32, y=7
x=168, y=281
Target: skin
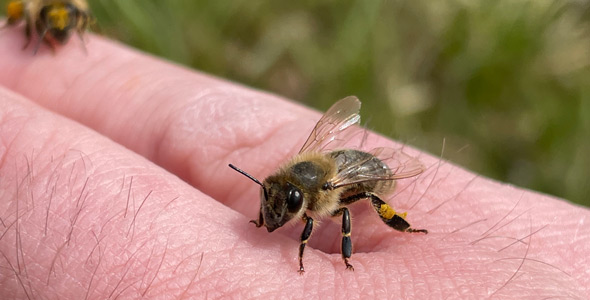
x=116, y=162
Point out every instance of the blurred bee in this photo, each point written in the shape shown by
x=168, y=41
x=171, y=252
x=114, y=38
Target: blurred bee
x=52, y=20
x=322, y=182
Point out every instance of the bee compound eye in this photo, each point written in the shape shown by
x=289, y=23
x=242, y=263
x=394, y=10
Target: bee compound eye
x=294, y=199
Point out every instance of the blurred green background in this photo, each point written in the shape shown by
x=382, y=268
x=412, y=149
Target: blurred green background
x=505, y=83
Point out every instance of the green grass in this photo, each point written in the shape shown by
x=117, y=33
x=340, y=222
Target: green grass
x=506, y=83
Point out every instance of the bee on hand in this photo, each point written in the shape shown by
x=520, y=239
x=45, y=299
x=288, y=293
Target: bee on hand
x=53, y=21
x=322, y=180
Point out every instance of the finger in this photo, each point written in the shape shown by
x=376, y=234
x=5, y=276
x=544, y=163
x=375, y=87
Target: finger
x=187, y=122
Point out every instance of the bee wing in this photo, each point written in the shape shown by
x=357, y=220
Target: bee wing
x=330, y=129
x=401, y=165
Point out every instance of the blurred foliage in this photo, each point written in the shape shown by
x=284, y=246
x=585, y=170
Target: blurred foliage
x=505, y=83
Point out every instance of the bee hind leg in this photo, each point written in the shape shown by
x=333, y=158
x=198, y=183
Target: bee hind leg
x=346, y=249
x=390, y=217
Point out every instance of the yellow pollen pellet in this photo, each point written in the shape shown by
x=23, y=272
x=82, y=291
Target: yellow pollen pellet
x=59, y=17
x=386, y=211
x=14, y=10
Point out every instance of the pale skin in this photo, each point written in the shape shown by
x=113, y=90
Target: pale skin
x=140, y=201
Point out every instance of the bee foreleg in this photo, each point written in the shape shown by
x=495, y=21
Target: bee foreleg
x=390, y=217
x=260, y=220
x=304, y=237
x=346, y=249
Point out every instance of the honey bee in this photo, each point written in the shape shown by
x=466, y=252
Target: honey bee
x=53, y=21
x=323, y=179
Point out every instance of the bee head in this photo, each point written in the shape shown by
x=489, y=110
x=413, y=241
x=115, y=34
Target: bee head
x=280, y=201
x=58, y=19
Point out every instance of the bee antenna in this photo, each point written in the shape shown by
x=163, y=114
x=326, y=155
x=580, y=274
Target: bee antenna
x=247, y=175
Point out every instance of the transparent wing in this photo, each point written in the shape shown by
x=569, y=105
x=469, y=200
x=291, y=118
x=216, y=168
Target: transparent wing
x=335, y=126
x=400, y=164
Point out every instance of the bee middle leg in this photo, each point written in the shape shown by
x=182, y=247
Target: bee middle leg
x=346, y=249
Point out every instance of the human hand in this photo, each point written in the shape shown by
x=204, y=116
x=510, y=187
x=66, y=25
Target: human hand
x=95, y=161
